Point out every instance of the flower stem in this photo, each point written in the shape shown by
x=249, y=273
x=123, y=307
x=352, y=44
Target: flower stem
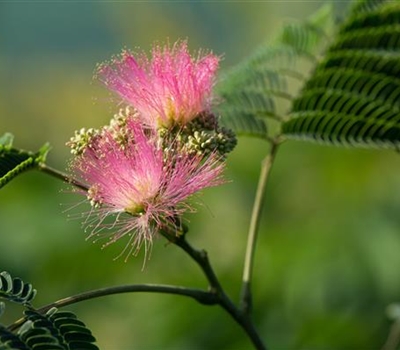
x=266, y=166
x=203, y=297
x=62, y=176
x=201, y=258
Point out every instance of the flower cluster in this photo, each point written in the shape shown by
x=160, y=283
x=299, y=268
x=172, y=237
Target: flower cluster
x=165, y=146
x=171, y=88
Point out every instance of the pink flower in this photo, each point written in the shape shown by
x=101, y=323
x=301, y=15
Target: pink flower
x=171, y=88
x=143, y=186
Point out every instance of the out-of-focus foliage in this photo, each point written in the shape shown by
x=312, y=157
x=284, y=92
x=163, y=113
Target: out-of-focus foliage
x=352, y=97
x=256, y=91
x=327, y=260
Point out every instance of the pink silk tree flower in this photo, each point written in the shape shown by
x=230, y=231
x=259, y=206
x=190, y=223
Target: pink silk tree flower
x=138, y=183
x=170, y=88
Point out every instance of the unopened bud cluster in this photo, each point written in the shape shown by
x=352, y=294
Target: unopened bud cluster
x=203, y=142
x=202, y=136
x=93, y=196
x=81, y=140
x=117, y=126
x=84, y=138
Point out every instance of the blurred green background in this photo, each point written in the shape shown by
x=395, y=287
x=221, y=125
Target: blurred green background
x=328, y=259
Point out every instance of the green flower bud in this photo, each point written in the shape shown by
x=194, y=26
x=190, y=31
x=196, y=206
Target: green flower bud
x=81, y=140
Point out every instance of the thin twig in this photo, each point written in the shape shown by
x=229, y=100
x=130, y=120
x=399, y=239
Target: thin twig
x=203, y=297
x=246, y=295
x=62, y=176
x=201, y=258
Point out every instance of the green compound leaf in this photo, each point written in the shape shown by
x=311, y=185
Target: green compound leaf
x=50, y=331
x=55, y=330
x=366, y=5
x=10, y=341
x=353, y=96
x=15, y=290
x=258, y=93
x=15, y=161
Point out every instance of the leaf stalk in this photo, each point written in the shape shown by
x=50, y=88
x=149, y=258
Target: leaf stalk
x=266, y=166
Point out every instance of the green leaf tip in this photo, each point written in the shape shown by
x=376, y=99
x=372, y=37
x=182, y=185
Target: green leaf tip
x=6, y=141
x=15, y=161
x=41, y=155
x=15, y=290
x=55, y=330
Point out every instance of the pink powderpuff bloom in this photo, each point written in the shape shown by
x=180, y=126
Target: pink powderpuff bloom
x=171, y=88
x=139, y=184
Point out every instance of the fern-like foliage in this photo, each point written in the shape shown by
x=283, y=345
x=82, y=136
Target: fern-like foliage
x=15, y=290
x=10, y=341
x=353, y=96
x=14, y=161
x=365, y=5
x=54, y=330
x=261, y=89
x=350, y=97
x=50, y=331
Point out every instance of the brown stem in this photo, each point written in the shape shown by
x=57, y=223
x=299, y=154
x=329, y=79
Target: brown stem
x=203, y=297
x=62, y=176
x=201, y=258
